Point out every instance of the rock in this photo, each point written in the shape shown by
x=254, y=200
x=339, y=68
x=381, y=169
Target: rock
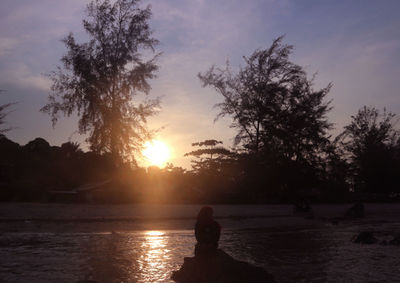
x=366, y=237
x=219, y=267
x=395, y=241
x=356, y=211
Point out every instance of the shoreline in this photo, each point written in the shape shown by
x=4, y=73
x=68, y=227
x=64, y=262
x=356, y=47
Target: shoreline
x=70, y=218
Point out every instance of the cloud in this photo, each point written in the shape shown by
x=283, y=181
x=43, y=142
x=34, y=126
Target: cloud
x=7, y=45
x=354, y=46
x=22, y=76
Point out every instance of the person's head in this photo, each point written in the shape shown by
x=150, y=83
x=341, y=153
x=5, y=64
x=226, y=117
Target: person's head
x=206, y=213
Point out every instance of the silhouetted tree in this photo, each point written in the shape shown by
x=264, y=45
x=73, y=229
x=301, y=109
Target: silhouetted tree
x=170, y=168
x=370, y=143
x=209, y=156
x=10, y=156
x=281, y=120
x=3, y=115
x=273, y=105
x=71, y=149
x=334, y=174
x=212, y=175
x=100, y=77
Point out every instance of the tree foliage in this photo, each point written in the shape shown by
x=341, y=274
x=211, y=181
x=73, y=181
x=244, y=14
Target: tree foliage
x=100, y=77
x=371, y=144
x=3, y=115
x=273, y=105
x=369, y=129
x=209, y=155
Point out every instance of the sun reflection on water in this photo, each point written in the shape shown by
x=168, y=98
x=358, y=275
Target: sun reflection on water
x=154, y=256
x=154, y=233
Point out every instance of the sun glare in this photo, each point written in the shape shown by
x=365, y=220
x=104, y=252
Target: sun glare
x=156, y=153
x=154, y=233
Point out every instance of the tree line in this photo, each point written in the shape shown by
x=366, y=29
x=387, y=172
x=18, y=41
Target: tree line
x=283, y=149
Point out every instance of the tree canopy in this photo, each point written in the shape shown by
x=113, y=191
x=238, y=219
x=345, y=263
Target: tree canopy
x=99, y=78
x=209, y=155
x=3, y=115
x=369, y=129
x=370, y=143
x=273, y=104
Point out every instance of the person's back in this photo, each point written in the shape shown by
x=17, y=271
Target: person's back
x=211, y=264
x=207, y=232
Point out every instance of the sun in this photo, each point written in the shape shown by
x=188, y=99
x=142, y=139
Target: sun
x=156, y=153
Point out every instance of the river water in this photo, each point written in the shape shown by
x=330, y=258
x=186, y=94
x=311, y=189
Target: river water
x=138, y=243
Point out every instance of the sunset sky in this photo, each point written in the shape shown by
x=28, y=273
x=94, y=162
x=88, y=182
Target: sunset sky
x=353, y=44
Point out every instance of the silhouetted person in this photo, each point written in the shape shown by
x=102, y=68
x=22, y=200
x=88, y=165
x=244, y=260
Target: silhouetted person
x=207, y=232
x=211, y=264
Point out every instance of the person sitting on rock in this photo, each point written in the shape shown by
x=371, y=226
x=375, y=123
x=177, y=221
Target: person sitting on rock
x=207, y=232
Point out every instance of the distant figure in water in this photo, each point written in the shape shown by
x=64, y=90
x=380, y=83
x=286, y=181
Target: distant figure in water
x=207, y=232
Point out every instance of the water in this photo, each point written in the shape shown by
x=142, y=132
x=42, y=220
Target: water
x=146, y=243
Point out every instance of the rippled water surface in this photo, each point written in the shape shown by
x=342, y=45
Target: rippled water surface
x=290, y=247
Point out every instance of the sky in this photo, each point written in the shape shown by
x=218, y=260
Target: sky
x=353, y=44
